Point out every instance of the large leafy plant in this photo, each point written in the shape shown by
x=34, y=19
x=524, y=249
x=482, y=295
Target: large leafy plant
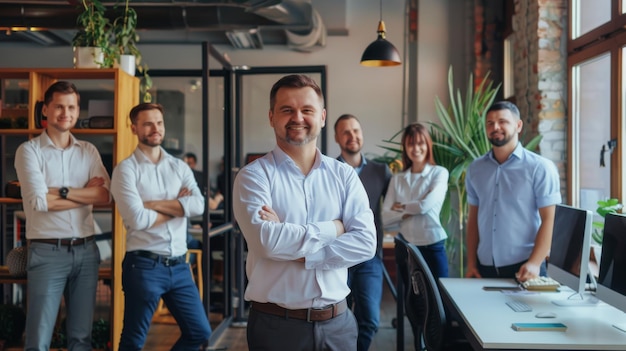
x=604, y=207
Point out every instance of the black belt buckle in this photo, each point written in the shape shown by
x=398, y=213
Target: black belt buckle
x=170, y=261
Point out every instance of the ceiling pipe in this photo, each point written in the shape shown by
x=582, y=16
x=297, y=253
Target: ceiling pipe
x=302, y=24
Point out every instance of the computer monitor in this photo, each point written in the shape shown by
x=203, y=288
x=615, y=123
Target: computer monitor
x=569, y=254
x=612, y=278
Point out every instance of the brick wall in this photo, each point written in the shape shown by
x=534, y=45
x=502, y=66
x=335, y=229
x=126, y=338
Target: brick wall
x=539, y=41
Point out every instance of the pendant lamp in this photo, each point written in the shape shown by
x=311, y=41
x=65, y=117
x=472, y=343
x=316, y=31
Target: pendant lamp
x=380, y=52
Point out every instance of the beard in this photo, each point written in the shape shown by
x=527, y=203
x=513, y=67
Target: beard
x=500, y=142
x=308, y=137
x=146, y=141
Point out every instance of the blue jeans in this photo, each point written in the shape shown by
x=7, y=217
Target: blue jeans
x=366, y=284
x=436, y=258
x=145, y=281
x=55, y=271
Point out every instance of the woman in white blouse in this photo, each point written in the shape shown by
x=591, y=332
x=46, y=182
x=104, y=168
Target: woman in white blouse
x=415, y=196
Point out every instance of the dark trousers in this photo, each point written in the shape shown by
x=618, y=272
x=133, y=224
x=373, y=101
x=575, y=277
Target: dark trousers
x=436, y=258
x=506, y=271
x=268, y=332
x=145, y=281
x=366, y=284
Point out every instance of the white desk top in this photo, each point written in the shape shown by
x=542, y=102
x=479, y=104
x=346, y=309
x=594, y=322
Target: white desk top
x=489, y=318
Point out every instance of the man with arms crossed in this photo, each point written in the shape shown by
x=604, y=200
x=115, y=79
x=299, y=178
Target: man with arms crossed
x=156, y=193
x=61, y=178
x=512, y=193
x=365, y=279
x=306, y=219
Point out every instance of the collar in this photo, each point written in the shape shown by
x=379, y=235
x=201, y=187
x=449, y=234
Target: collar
x=427, y=169
x=142, y=158
x=518, y=153
x=45, y=141
x=281, y=157
x=358, y=168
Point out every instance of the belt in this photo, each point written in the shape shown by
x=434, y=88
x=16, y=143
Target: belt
x=307, y=314
x=166, y=260
x=65, y=242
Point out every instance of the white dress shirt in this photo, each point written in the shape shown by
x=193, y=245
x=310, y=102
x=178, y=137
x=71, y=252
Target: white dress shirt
x=41, y=164
x=137, y=179
x=423, y=195
x=306, y=206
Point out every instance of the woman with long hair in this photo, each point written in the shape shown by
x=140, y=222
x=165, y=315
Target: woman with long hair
x=415, y=197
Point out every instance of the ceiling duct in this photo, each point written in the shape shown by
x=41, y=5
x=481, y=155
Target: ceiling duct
x=166, y=21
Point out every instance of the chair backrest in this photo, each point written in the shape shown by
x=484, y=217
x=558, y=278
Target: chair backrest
x=402, y=279
x=424, y=301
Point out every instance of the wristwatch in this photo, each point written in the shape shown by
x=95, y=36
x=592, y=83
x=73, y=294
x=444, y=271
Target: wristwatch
x=63, y=192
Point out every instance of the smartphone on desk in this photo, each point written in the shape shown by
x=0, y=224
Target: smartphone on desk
x=539, y=327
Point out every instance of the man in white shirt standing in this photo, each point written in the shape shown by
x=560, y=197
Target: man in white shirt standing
x=306, y=218
x=61, y=178
x=156, y=193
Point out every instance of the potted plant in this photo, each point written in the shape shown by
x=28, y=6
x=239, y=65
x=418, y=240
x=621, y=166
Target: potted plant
x=125, y=51
x=91, y=42
x=125, y=38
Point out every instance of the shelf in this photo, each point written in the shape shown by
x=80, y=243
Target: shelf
x=9, y=201
x=124, y=89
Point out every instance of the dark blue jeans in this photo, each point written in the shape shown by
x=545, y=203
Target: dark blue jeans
x=145, y=281
x=366, y=284
x=436, y=258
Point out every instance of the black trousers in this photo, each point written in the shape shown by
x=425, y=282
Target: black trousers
x=506, y=271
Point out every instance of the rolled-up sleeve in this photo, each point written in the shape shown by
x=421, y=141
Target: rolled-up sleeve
x=32, y=182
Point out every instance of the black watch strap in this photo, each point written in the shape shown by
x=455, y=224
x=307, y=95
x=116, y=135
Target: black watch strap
x=63, y=192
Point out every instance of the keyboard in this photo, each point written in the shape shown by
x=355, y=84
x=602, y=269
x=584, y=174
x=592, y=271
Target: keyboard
x=541, y=284
x=519, y=306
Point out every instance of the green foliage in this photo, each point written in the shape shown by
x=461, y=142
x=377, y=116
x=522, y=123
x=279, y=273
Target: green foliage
x=124, y=32
x=604, y=207
x=94, y=26
x=100, y=334
x=12, y=323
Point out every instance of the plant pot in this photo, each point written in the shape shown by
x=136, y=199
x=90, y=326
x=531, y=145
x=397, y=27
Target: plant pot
x=127, y=64
x=87, y=57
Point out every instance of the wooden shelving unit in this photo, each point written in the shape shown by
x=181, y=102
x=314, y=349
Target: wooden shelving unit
x=126, y=95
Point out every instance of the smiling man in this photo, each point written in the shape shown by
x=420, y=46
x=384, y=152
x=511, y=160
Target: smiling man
x=365, y=279
x=512, y=193
x=306, y=219
x=156, y=193
x=61, y=179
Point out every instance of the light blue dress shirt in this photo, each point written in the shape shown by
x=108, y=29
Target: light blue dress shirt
x=509, y=196
x=306, y=206
x=423, y=200
x=137, y=179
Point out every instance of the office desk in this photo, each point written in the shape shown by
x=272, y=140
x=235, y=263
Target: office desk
x=486, y=319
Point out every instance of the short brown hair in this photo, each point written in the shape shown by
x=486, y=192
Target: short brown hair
x=295, y=81
x=61, y=87
x=344, y=117
x=411, y=132
x=146, y=106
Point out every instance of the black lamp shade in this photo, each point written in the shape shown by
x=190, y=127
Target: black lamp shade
x=380, y=52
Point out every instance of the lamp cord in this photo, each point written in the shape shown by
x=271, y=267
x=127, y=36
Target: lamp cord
x=381, y=10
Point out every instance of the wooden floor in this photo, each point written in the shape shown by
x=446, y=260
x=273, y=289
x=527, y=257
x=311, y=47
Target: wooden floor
x=163, y=336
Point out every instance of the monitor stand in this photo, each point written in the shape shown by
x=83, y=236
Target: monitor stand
x=620, y=326
x=577, y=300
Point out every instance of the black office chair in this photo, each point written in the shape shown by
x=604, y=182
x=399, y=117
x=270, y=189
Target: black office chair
x=432, y=330
x=402, y=279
